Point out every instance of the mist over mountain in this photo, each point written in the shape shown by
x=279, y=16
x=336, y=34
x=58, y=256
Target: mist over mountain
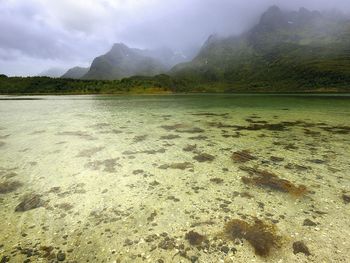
x=122, y=61
x=295, y=48
x=75, y=73
x=52, y=73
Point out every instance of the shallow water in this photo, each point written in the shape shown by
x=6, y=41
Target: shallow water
x=125, y=178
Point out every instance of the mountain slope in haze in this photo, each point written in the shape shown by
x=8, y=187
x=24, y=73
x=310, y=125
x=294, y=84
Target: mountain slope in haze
x=122, y=61
x=75, y=73
x=285, y=50
x=52, y=73
x=168, y=57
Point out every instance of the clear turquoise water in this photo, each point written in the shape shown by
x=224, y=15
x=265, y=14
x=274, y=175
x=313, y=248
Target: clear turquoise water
x=116, y=185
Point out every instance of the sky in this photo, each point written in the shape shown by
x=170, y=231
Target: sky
x=36, y=35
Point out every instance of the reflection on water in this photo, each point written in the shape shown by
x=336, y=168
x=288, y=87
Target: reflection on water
x=211, y=178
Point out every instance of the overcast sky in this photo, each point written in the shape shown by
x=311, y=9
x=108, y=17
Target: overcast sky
x=36, y=35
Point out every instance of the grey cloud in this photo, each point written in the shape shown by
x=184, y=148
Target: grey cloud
x=62, y=33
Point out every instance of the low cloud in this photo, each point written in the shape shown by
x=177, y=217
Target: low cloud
x=39, y=34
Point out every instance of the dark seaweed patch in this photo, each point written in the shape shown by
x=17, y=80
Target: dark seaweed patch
x=89, y=152
x=297, y=167
x=199, y=137
x=172, y=127
x=179, y=166
x=109, y=165
x=152, y=216
x=261, y=236
x=311, y=133
x=9, y=186
x=114, y=131
x=267, y=179
x=194, y=238
x=173, y=198
x=162, y=150
x=210, y=114
x=317, y=161
x=169, y=137
x=77, y=134
x=140, y=138
x=204, y=157
x=290, y=146
x=258, y=125
x=337, y=129
x=190, y=148
x=64, y=206
x=192, y=130
x=242, y=156
x=138, y=171
x=99, y=125
x=217, y=180
x=276, y=159
x=29, y=202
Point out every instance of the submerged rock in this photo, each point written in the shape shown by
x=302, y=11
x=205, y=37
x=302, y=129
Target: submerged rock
x=308, y=222
x=300, y=247
x=346, y=198
x=61, y=256
x=29, y=202
x=217, y=180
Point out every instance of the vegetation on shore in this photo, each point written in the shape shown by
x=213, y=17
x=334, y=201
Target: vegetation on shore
x=160, y=84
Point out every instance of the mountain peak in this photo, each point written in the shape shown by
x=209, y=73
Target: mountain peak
x=118, y=47
x=273, y=9
x=273, y=17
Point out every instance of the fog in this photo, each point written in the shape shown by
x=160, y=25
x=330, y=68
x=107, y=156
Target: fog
x=40, y=34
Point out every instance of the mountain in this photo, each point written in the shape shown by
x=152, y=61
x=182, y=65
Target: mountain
x=286, y=50
x=75, y=73
x=52, y=73
x=168, y=57
x=122, y=61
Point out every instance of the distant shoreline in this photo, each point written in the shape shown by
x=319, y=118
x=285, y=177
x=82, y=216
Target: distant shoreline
x=272, y=93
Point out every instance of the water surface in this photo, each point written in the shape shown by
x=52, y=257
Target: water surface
x=127, y=178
